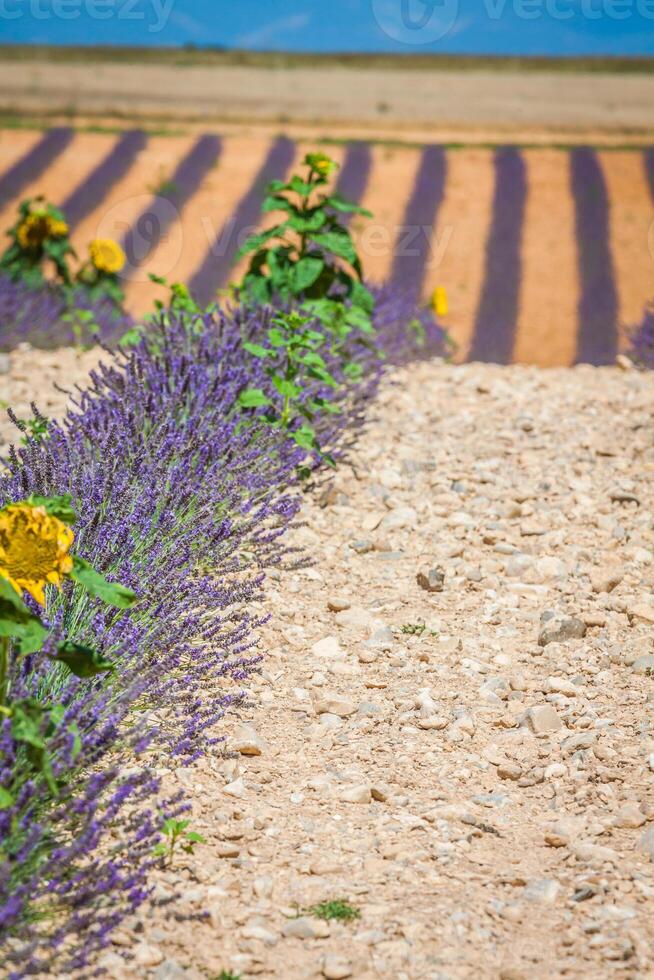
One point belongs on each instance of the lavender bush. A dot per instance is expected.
(49, 317)
(180, 501)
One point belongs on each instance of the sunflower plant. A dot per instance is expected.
(36, 538)
(100, 274)
(292, 361)
(309, 255)
(40, 235)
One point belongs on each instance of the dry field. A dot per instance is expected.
(547, 253)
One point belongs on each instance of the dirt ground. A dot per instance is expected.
(471, 767)
(413, 104)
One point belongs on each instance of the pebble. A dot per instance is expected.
(629, 816)
(338, 604)
(146, 955)
(641, 612)
(431, 580)
(246, 741)
(328, 648)
(305, 928)
(335, 967)
(644, 664)
(361, 793)
(335, 704)
(235, 789)
(170, 970)
(544, 890)
(556, 628)
(646, 843)
(543, 719)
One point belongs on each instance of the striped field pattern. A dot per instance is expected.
(547, 254)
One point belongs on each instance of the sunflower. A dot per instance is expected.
(107, 255)
(439, 302)
(34, 549)
(321, 163)
(33, 231)
(37, 227)
(57, 228)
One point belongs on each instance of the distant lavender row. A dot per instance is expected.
(34, 163)
(354, 175)
(92, 191)
(180, 501)
(44, 317)
(165, 206)
(497, 312)
(413, 245)
(597, 336)
(648, 162)
(215, 269)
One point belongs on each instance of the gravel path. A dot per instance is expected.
(453, 727)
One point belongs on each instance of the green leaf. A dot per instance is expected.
(96, 584)
(360, 296)
(305, 437)
(254, 242)
(277, 337)
(6, 799)
(338, 244)
(305, 224)
(9, 597)
(286, 388)
(256, 350)
(82, 661)
(26, 718)
(346, 207)
(305, 273)
(59, 507)
(195, 838)
(301, 187)
(276, 202)
(253, 398)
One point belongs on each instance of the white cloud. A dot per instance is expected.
(275, 30)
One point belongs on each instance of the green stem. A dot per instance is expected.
(4, 670)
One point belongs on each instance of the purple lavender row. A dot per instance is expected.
(354, 174)
(642, 336)
(413, 245)
(165, 207)
(597, 334)
(44, 318)
(497, 312)
(34, 163)
(173, 494)
(92, 191)
(215, 269)
(648, 163)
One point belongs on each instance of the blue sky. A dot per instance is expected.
(550, 27)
